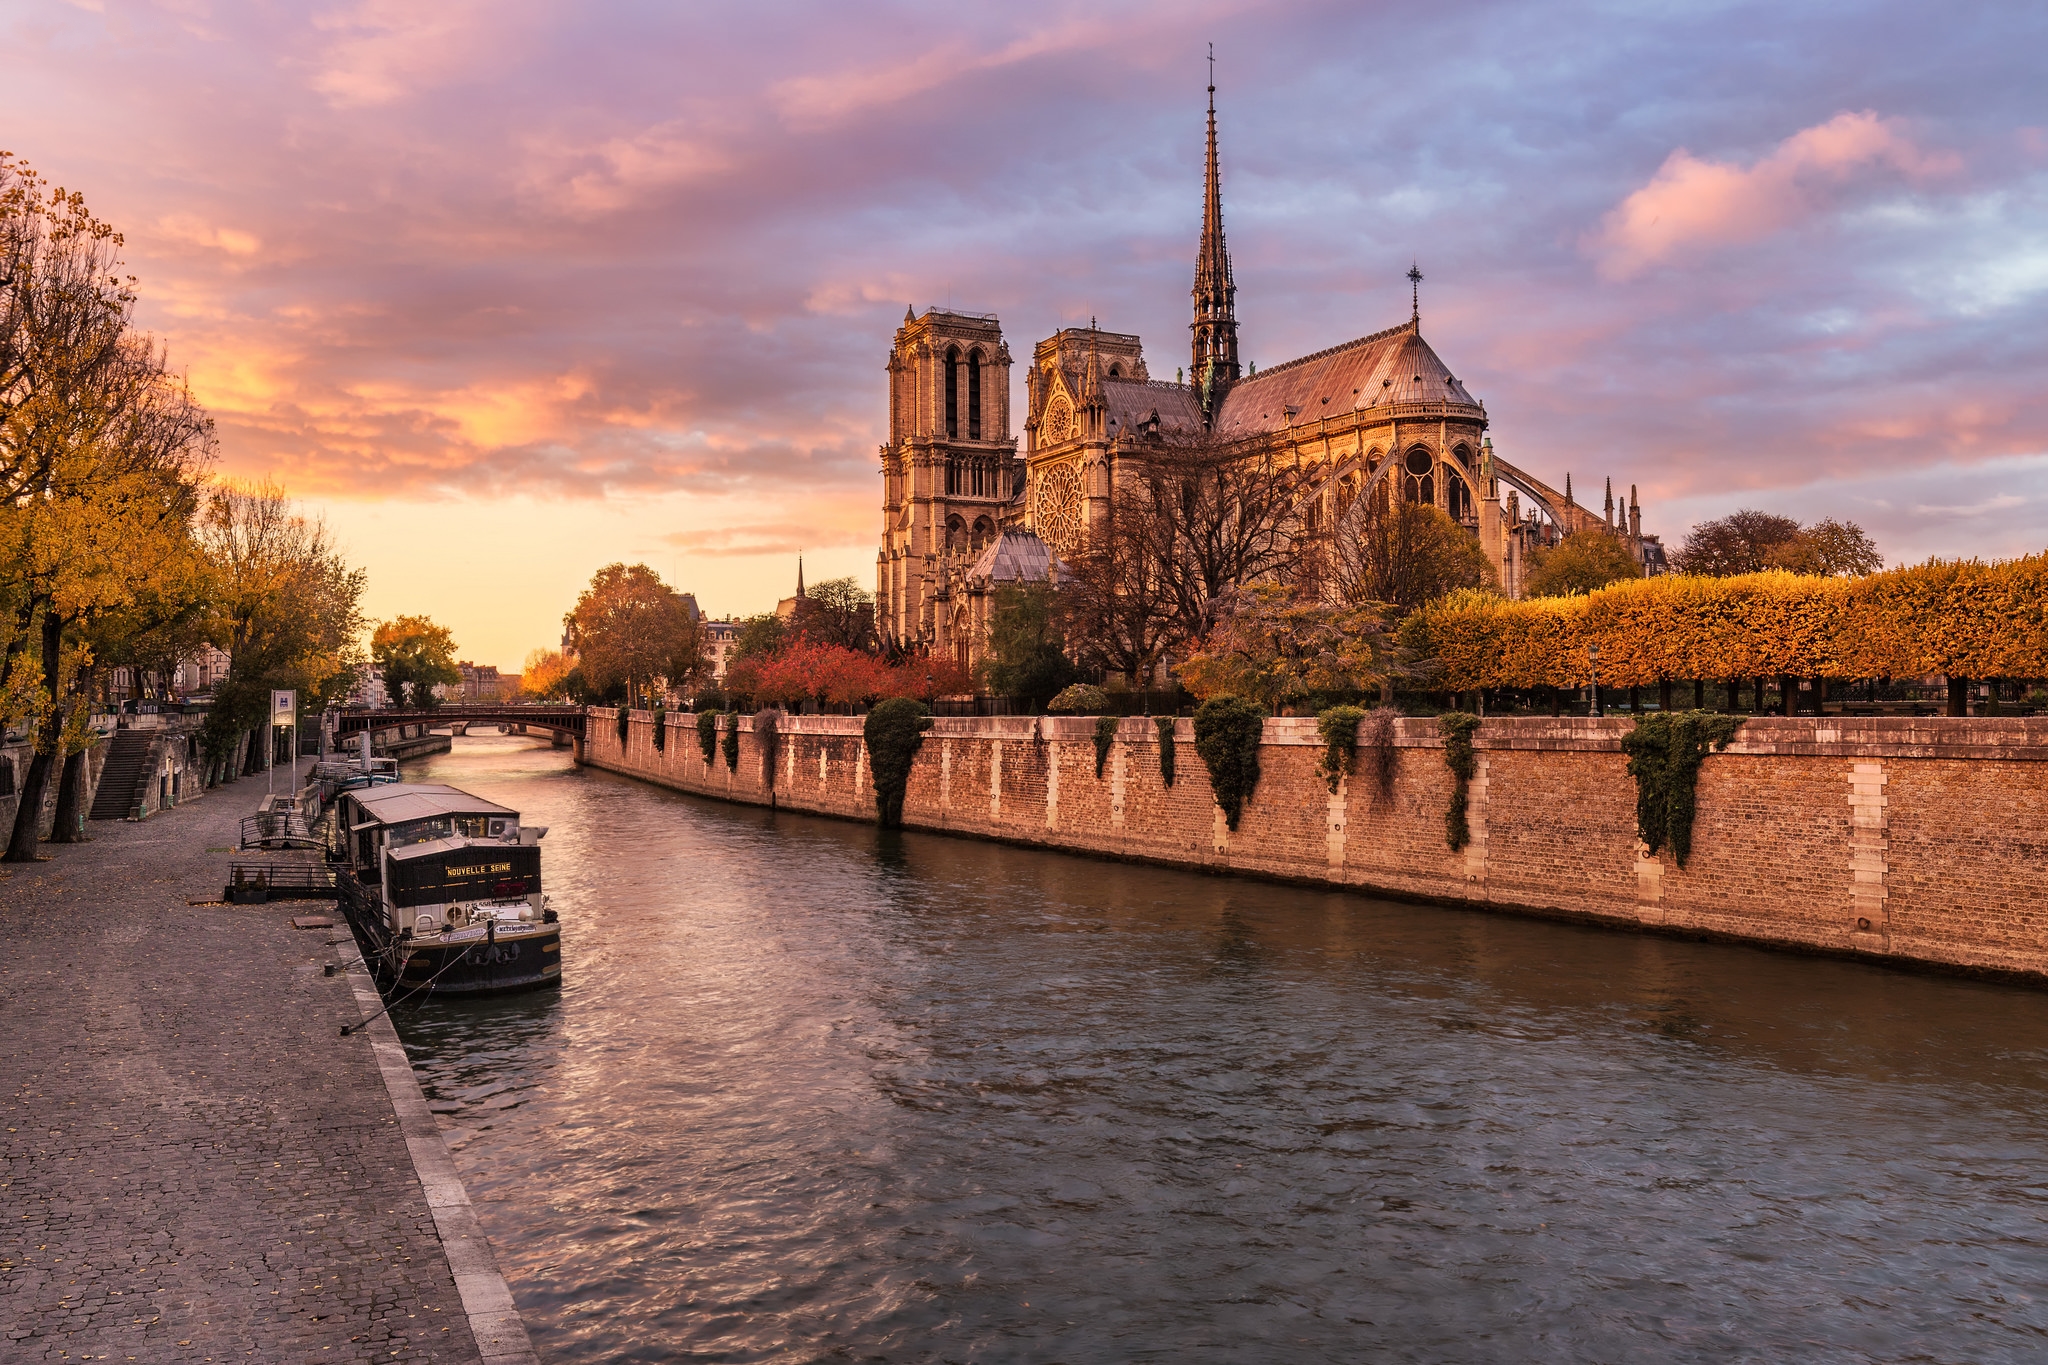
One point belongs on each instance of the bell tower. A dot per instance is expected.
(950, 473)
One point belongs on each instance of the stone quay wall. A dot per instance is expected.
(1921, 840)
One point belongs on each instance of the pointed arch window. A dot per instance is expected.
(953, 392)
(974, 396)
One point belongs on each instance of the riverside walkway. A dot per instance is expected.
(195, 1165)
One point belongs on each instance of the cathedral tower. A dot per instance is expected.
(950, 469)
(1215, 325)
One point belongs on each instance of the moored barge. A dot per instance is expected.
(443, 890)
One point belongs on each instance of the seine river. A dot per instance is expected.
(816, 1093)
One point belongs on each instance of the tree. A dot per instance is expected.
(287, 611)
(1406, 554)
(416, 656)
(546, 675)
(1750, 542)
(759, 637)
(1116, 596)
(1024, 655)
(632, 629)
(840, 612)
(1581, 562)
(1276, 648)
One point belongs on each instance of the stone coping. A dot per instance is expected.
(2011, 738)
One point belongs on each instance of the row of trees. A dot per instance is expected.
(117, 551)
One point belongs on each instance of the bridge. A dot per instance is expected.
(391, 728)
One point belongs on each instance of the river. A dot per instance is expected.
(815, 1092)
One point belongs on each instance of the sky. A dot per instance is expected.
(508, 291)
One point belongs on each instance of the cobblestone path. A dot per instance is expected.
(196, 1166)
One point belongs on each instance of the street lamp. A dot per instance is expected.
(1593, 656)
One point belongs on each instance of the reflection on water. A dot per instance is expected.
(812, 1091)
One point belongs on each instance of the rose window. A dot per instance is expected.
(1059, 508)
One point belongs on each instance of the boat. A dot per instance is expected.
(443, 890)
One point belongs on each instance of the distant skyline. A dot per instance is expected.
(509, 291)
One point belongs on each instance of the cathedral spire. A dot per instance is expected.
(1215, 324)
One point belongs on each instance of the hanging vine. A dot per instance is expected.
(1459, 757)
(1105, 737)
(1165, 726)
(623, 720)
(1665, 751)
(768, 734)
(1339, 728)
(1227, 731)
(894, 732)
(1378, 739)
(732, 742)
(707, 733)
(660, 730)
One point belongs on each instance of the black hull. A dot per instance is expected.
(480, 966)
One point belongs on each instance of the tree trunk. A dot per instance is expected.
(1557, 701)
(70, 825)
(1635, 700)
(28, 816)
(1958, 697)
(1699, 694)
(1663, 694)
(252, 756)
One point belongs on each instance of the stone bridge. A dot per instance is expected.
(393, 729)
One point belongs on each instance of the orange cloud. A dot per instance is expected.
(1694, 203)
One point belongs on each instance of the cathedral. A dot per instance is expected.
(963, 511)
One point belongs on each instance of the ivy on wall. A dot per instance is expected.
(1165, 726)
(1378, 739)
(660, 730)
(1665, 751)
(768, 734)
(1460, 758)
(1338, 727)
(1105, 736)
(707, 733)
(623, 717)
(732, 742)
(1227, 731)
(894, 732)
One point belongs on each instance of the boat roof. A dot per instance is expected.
(395, 803)
(433, 847)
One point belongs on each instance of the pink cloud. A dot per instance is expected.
(1693, 203)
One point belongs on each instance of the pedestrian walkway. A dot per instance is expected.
(196, 1165)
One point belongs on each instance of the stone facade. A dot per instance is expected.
(1902, 839)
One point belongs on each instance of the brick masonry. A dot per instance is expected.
(1917, 839)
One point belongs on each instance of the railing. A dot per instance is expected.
(277, 829)
(255, 883)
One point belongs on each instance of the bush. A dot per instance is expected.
(1459, 757)
(1227, 731)
(1166, 726)
(1338, 727)
(768, 734)
(660, 730)
(1665, 751)
(1105, 736)
(732, 742)
(894, 732)
(1080, 699)
(707, 733)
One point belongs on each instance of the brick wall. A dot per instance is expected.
(1921, 839)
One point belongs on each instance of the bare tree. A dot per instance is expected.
(1402, 553)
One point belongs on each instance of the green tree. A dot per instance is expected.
(759, 637)
(1581, 562)
(838, 611)
(1024, 654)
(416, 656)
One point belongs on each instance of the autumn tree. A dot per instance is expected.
(415, 656)
(1751, 542)
(1274, 647)
(1581, 562)
(546, 675)
(630, 629)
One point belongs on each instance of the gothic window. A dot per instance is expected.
(956, 533)
(1116, 372)
(1420, 483)
(974, 399)
(952, 477)
(978, 488)
(1059, 420)
(1058, 514)
(953, 392)
(984, 532)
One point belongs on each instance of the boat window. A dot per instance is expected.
(471, 826)
(419, 831)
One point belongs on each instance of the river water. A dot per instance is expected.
(813, 1092)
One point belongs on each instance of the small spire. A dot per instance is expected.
(1415, 294)
(910, 312)
(1567, 488)
(1610, 502)
(799, 574)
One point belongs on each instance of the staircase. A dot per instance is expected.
(127, 767)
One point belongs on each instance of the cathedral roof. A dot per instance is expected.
(1386, 368)
(1134, 402)
(1015, 556)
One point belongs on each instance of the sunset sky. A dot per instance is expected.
(508, 291)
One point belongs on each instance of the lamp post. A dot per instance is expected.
(1593, 658)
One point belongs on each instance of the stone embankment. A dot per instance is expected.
(195, 1164)
(1907, 840)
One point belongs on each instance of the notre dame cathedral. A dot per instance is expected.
(963, 512)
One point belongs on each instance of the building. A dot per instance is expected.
(480, 683)
(720, 639)
(1381, 416)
